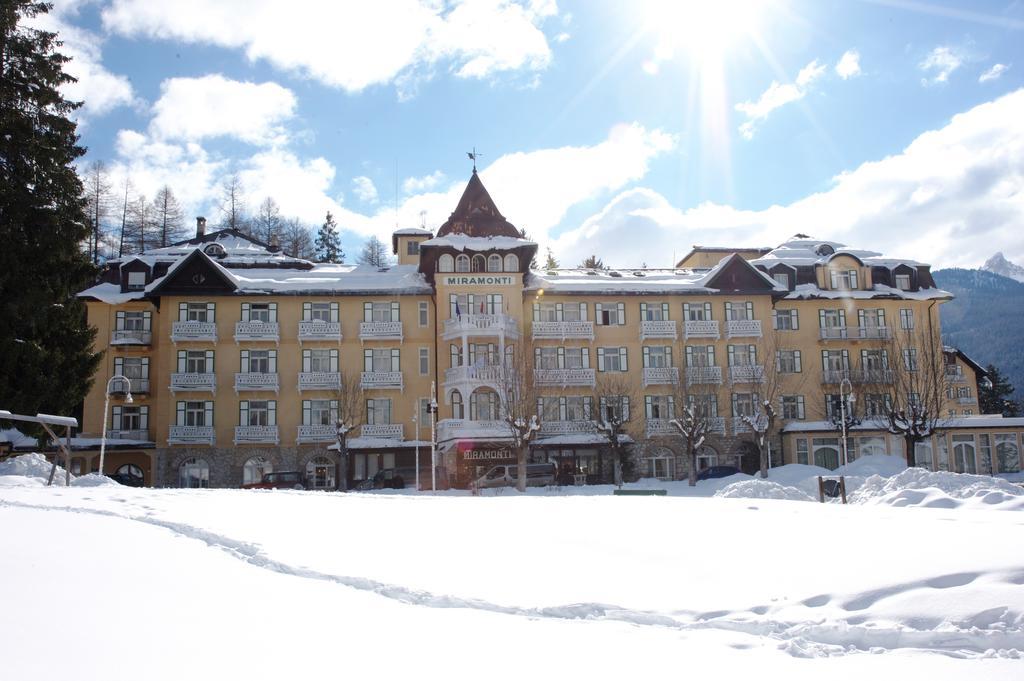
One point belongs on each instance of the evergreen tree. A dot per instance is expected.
(593, 263)
(46, 358)
(374, 253)
(533, 259)
(550, 263)
(994, 396)
(328, 243)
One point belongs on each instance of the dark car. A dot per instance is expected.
(400, 478)
(279, 480)
(717, 472)
(126, 479)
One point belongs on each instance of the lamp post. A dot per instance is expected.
(416, 431)
(846, 423)
(433, 437)
(106, 410)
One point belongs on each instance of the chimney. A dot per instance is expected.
(275, 243)
(200, 227)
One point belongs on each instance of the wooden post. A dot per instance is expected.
(842, 487)
(821, 490)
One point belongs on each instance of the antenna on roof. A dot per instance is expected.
(396, 192)
(473, 155)
(423, 219)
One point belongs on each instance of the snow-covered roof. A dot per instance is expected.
(381, 443)
(330, 279)
(17, 438)
(111, 294)
(812, 251)
(810, 291)
(462, 242)
(595, 439)
(412, 231)
(978, 421)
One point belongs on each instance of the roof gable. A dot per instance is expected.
(477, 215)
(195, 274)
(735, 274)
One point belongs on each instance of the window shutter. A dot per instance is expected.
(273, 312)
(778, 360)
(750, 309)
(147, 321)
(272, 413)
(824, 360)
(664, 310)
(598, 315)
(561, 357)
(208, 412)
(853, 279)
(624, 403)
(559, 312)
(118, 365)
(563, 411)
(367, 360)
(622, 360)
(622, 313)
(794, 316)
(752, 353)
(395, 364)
(885, 359)
(668, 355)
(600, 359)
(602, 405)
(643, 312)
(307, 413)
(686, 311)
(307, 311)
(586, 358)
(647, 357)
(145, 367)
(334, 312)
(182, 312)
(536, 357)
(243, 413)
(881, 316)
(796, 361)
(821, 319)
(671, 407)
(728, 310)
(334, 410)
(453, 355)
(395, 311)
(367, 312)
(583, 312)
(648, 407)
(842, 317)
(307, 357)
(120, 320)
(181, 361)
(245, 312)
(245, 362)
(116, 418)
(211, 309)
(181, 413)
(864, 359)
(334, 360)
(209, 362)
(775, 319)
(732, 354)
(272, 364)
(860, 317)
(800, 406)
(846, 359)
(707, 311)
(536, 312)
(689, 356)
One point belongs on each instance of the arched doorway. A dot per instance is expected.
(660, 463)
(707, 456)
(320, 473)
(194, 473)
(254, 469)
(130, 474)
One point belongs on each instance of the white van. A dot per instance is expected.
(506, 475)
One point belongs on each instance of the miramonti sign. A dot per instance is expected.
(478, 280)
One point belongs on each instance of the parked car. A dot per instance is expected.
(717, 472)
(506, 475)
(400, 478)
(126, 479)
(279, 480)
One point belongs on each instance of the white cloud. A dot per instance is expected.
(215, 106)
(993, 73)
(848, 65)
(354, 45)
(952, 197)
(939, 64)
(778, 95)
(413, 185)
(364, 189)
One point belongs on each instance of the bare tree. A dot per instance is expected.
(374, 253)
(296, 239)
(168, 217)
(780, 365)
(613, 394)
(695, 417)
(141, 224)
(124, 216)
(98, 199)
(349, 397)
(518, 398)
(267, 221)
(232, 204)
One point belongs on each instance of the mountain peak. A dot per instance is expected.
(1000, 265)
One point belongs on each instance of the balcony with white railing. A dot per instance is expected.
(257, 435)
(746, 373)
(319, 380)
(835, 375)
(453, 429)
(562, 330)
(319, 432)
(375, 331)
(381, 380)
(716, 424)
(703, 375)
(481, 325)
(967, 400)
(193, 331)
(660, 376)
(740, 426)
(383, 431)
(190, 435)
(841, 333)
(565, 377)
(662, 328)
(700, 328)
(137, 386)
(124, 337)
(955, 374)
(257, 331)
(472, 377)
(137, 435)
(659, 428)
(740, 328)
(552, 428)
(255, 381)
(871, 375)
(319, 330)
(186, 382)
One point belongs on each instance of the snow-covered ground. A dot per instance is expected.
(921, 576)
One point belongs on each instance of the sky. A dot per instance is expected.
(630, 130)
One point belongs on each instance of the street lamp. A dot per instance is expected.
(433, 437)
(845, 422)
(416, 430)
(106, 410)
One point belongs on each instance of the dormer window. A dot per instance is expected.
(446, 263)
(412, 248)
(781, 278)
(462, 263)
(845, 280)
(136, 281)
(478, 263)
(494, 263)
(903, 282)
(215, 251)
(824, 249)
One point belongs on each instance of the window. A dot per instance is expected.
(801, 450)
(704, 406)
(614, 408)
(378, 411)
(424, 361)
(259, 361)
(610, 314)
(659, 406)
(845, 280)
(381, 360)
(611, 359)
(386, 311)
(511, 262)
(788, 361)
(577, 358)
(254, 469)
(546, 358)
(697, 312)
(657, 357)
(737, 312)
(832, 323)
(483, 405)
(321, 312)
(906, 318)
(826, 452)
(196, 312)
(257, 413)
(793, 407)
(133, 321)
(457, 409)
(876, 404)
(903, 282)
(743, 404)
(320, 473)
(462, 263)
(445, 263)
(700, 355)
(1007, 454)
(653, 312)
(964, 460)
(136, 281)
(786, 320)
(873, 318)
(557, 312)
(412, 247)
(320, 361)
(195, 413)
(875, 363)
(577, 408)
(985, 454)
(494, 263)
(835, 360)
(479, 264)
(742, 355)
(259, 312)
(424, 319)
(128, 418)
(871, 446)
(195, 361)
(782, 278)
(194, 474)
(135, 369)
(910, 359)
(923, 454)
(319, 412)
(483, 354)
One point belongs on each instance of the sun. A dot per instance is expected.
(701, 30)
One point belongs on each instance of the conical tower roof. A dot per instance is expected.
(477, 215)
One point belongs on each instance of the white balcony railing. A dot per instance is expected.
(131, 337)
(490, 374)
(190, 435)
(954, 374)
(562, 330)
(659, 428)
(380, 331)
(702, 375)
(319, 330)
(316, 433)
(716, 424)
(481, 325)
(663, 328)
(828, 333)
(319, 380)
(140, 435)
(257, 434)
(193, 382)
(383, 431)
(138, 386)
(660, 376)
(567, 427)
(746, 373)
(871, 375)
(740, 426)
(254, 381)
(700, 328)
(565, 377)
(737, 328)
(967, 400)
(257, 331)
(381, 380)
(193, 331)
(450, 429)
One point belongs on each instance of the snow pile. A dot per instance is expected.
(94, 480)
(866, 466)
(918, 487)
(30, 466)
(762, 489)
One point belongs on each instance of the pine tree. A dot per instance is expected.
(328, 243)
(593, 263)
(374, 253)
(994, 395)
(46, 358)
(533, 259)
(168, 217)
(550, 263)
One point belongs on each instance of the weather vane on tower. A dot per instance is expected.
(472, 155)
